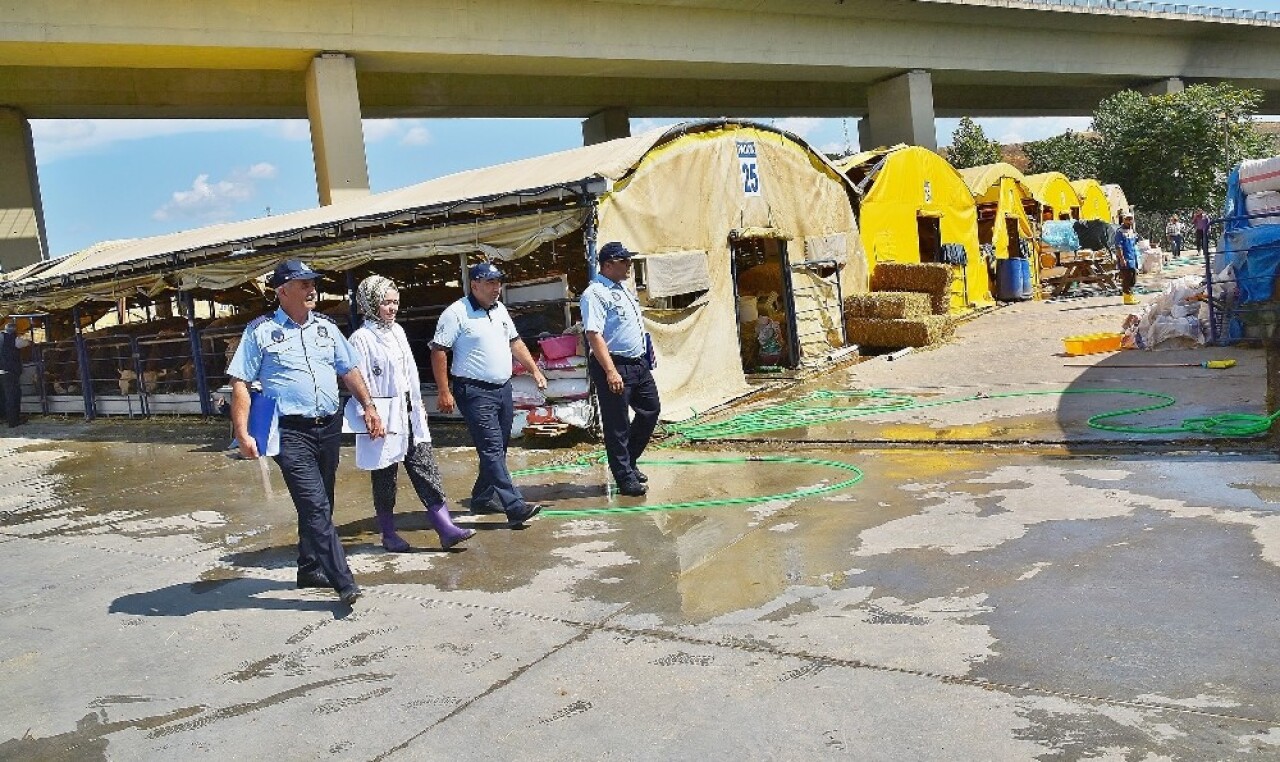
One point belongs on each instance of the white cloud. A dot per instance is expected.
(62, 138)
(263, 171)
(293, 129)
(800, 125)
(210, 202)
(417, 135)
(376, 130)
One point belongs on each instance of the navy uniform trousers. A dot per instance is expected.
(625, 441)
(11, 394)
(489, 410)
(308, 460)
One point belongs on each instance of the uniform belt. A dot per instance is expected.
(306, 421)
(627, 360)
(477, 382)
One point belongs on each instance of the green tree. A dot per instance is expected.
(1071, 153)
(970, 146)
(1170, 152)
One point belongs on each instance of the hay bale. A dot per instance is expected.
(895, 334)
(921, 277)
(888, 305)
(760, 280)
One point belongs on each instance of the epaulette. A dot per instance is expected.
(253, 324)
(326, 317)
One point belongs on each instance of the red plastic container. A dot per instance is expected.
(558, 347)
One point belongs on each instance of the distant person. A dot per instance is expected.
(11, 345)
(484, 341)
(1175, 229)
(390, 371)
(1126, 243)
(1200, 221)
(619, 365)
(297, 354)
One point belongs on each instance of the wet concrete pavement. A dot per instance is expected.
(1057, 593)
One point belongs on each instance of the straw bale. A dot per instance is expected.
(889, 305)
(895, 334)
(760, 280)
(922, 277)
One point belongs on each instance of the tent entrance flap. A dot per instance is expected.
(929, 233)
(765, 304)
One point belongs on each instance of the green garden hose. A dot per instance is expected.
(849, 405)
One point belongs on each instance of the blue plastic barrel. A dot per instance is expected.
(1026, 285)
(1008, 289)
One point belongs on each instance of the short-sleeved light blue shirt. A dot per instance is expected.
(613, 312)
(298, 365)
(1127, 242)
(480, 340)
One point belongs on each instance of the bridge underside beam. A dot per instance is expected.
(61, 93)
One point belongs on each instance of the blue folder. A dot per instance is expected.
(262, 421)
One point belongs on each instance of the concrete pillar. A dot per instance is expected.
(22, 234)
(900, 110)
(337, 140)
(1170, 86)
(609, 124)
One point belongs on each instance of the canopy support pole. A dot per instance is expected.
(82, 358)
(197, 354)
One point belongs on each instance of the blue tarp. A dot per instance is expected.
(1059, 235)
(1252, 250)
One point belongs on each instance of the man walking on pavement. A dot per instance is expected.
(11, 372)
(297, 355)
(620, 367)
(484, 340)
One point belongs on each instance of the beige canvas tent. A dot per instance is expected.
(1116, 200)
(718, 209)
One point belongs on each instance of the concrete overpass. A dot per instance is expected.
(899, 63)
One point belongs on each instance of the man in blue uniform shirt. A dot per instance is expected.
(619, 368)
(479, 330)
(1126, 243)
(298, 355)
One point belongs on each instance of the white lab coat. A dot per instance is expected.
(389, 370)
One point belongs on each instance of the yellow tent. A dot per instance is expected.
(1057, 199)
(1116, 200)
(1093, 200)
(1001, 195)
(914, 206)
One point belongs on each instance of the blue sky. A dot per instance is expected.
(109, 179)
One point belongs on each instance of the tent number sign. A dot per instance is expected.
(748, 167)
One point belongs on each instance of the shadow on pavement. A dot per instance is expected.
(220, 595)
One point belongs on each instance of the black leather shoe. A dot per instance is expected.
(633, 489)
(478, 509)
(314, 579)
(517, 518)
(350, 595)
(642, 477)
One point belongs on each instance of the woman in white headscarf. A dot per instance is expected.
(390, 371)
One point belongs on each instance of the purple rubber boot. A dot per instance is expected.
(450, 533)
(391, 541)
